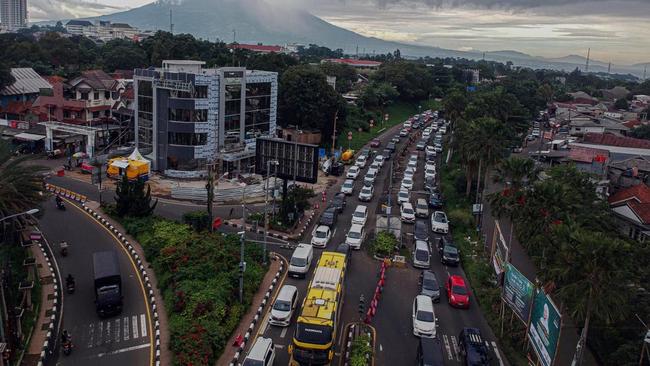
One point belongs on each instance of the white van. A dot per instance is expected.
(421, 254)
(355, 236)
(360, 215)
(261, 354)
(284, 305)
(301, 260)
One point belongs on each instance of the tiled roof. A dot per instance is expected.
(642, 210)
(83, 23)
(614, 140)
(27, 82)
(639, 194)
(97, 79)
(353, 62)
(586, 154)
(257, 47)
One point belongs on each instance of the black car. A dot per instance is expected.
(430, 184)
(387, 154)
(391, 146)
(329, 217)
(429, 285)
(339, 202)
(435, 200)
(421, 230)
(449, 253)
(473, 348)
(430, 352)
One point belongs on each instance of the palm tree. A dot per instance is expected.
(590, 269)
(21, 186)
(488, 140)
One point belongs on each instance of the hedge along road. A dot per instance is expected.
(122, 339)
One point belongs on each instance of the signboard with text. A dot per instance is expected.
(295, 160)
(544, 330)
(499, 249)
(517, 292)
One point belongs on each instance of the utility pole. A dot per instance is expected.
(587, 65)
(242, 240)
(209, 186)
(266, 205)
(171, 23)
(336, 117)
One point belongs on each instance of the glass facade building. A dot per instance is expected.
(188, 116)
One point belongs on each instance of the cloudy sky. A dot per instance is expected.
(616, 30)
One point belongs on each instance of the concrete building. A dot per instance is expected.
(13, 14)
(357, 64)
(103, 30)
(187, 116)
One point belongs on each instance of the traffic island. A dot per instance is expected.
(359, 345)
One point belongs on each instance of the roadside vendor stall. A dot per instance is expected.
(135, 166)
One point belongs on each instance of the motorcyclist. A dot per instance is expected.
(58, 200)
(69, 280)
(65, 337)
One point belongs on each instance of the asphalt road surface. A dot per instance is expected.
(124, 339)
(395, 342)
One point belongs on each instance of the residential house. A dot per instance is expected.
(357, 64)
(631, 207)
(619, 147)
(583, 125)
(615, 93)
(56, 106)
(26, 87)
(629, 172)
(257, 48)
(98, 90)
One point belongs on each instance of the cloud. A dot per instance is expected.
(66, 9)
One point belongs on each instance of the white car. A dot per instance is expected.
(407, 183)
(365, 195)
(413, 164)
(407, 213)
(439, 222)
(375, 166)
(370, 177)
(355, 236)
(360, 215)
(347, 187)
(430, 165)
(414, 157)
(407, 124)
(409, 172)
(361, 161)
(284, 305)
(429, 173)
(443, 129)
(424, 317)
(379, 159)
(321, 236)
(426, 134)
(438, 148)
(353, 172)
(430, 150)
(403, 196)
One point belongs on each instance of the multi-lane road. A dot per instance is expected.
(395, 342)
(124, 339)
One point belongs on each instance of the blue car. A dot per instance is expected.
(435, 200)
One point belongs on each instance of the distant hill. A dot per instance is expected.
(258, 21)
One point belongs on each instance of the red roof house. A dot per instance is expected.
(632, 207)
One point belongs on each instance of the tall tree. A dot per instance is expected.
(345, 75)
(6, 78)
(454, 104)
(131, 198)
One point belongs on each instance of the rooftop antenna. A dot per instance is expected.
(483, 56)
(645, 68)
(234, 36)
(587, 65)
(609, 67)
(171, 24)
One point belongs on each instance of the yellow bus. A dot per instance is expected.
(317, 326)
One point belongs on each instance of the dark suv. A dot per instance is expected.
(329, 216)
(472, 348)
(449, 254)
(339, 202)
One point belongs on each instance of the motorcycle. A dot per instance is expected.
(67, 347)
(60, 205)
(63, 248)
(70, 286)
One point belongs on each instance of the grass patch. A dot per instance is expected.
(476, 262)
(397, 113)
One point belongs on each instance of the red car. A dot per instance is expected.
(457, 292)
(375, 143)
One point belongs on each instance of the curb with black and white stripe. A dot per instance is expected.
(260, 310)
(143, 273)
(49, 345)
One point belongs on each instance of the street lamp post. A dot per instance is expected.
(28, 212)
(242, 240)
(266, 204)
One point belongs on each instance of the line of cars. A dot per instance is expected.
(424, 321)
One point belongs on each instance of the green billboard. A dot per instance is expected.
(544, 329)
(517, 292)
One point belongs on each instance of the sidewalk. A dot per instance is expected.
(41, 327)
(245, 323)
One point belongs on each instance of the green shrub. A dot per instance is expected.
(459, 217)
(384, 244)
(198, 220)
(359, 350)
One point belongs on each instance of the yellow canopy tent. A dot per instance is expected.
(135, 166)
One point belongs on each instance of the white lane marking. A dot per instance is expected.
(100, 333)
(108, 338)
(447, 347)
(280, 346)
(91, 335)
(143, 325)
(122, 350)
(125, 328)
(496, 352)
(284, 332)
(134, 324)
(454, 342)
(118, 322)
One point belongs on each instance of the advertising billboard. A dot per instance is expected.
(544, 330)
(517, 292)
(499, 249)
(295, 161)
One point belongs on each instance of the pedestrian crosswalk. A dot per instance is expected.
(116, 330)
(452, 350)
